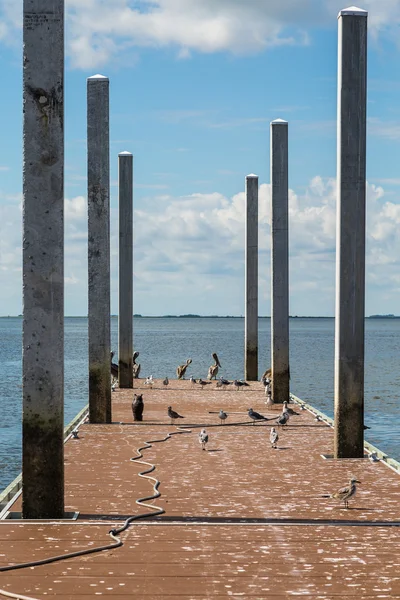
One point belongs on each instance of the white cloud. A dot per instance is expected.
(100, 31)
(189, 252)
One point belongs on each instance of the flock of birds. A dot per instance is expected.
(343, 494)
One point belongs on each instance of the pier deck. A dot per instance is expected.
(241, 520)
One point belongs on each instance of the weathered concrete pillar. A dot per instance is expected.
(280, 261)
(251, 296)
(125, 319)
(43, 261)
(350, 252)
(99, 248)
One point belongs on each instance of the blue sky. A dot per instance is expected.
(193, 88)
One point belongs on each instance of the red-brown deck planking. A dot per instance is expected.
(216, 538)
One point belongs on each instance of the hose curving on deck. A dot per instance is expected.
(155, 511)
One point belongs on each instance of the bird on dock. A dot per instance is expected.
(238, 383)
(282, 419)
(213, 370)
(192, 380)
(202, 383)
(181, 370)
(149, 381)
(373, 457)
(114, 366)
(255, 416)
(345, 493)
(137, 407)
(203, 438)
(222, 416)
(269, 401)
(166, 381)
(135, 366)
(173, 415)
(219, 384)
(289, 410)
(114, 383)
(273, 437)
(75, 433)
(267, 374)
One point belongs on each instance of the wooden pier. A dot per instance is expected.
(241, 519)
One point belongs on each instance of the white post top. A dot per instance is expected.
(279, 122)
(125, 153)
(251, 176)
(354, 11)
(98, 77)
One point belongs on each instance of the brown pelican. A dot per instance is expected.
(114, 366)
(135, 366)
(213, 370)
(181, 370)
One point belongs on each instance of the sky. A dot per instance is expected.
(193, 88)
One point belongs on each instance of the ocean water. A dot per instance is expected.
(164, 343)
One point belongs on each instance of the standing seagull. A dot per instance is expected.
(256, 416)
(203, 383)
(181, 370)
(345, 493)
(149, 381)
(192, 380)
(166, 381)
(173, 415)
(222, 415)
(238, 384)
(282, 419)
(287, 409)
(273, 437)
(213, 370)
(203, 438)
(135, 366)
(114, 366)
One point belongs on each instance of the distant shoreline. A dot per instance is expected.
(190, 316)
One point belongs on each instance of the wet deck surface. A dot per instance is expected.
(241, 520)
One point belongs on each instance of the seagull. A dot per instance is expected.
(222, 415)
(203, 383)
(213, 370)
(256, 416)
(192, 380)
(203, 438)
(373, 457)
(166, 381)
(269, 401)
(173, 415)
(149, 381)
(219, 384)
(345, 493)
(181, 370)
(238, 384)
(114, 384)
(75, 434)
(273, 437)
(267, 389)
(282, 419)
(289, 410)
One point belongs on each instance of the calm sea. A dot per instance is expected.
(164, 343)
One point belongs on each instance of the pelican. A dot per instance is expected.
(213, 370)
(181, 370)
(114, 366)
(135, 366)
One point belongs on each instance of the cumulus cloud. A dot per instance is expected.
(99, 31)
(189, 252)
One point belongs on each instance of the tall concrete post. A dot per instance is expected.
(43, 261)
(251, 296)
(280, 261)
(99, 248)
(350, 244)
(125, 319)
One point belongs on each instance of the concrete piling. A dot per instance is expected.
(350, 253)
(98, 147)
(125, 319)
(43, 261)
(251, 277)
(280, 261)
